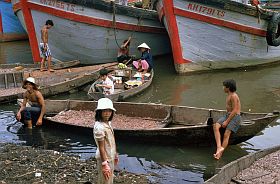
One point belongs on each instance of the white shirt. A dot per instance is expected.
(104, 131)
(108, 82)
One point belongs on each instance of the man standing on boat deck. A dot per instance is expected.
(230, 121)
(44, 47)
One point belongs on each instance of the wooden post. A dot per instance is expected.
(22, 76)
(14, 79)
(6, 80)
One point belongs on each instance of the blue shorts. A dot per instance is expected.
(234, 124)
(31, 113)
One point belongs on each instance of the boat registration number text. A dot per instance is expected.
(59, 4)
(205, 10)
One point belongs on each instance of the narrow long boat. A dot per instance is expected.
(121, 91)
(10, 27)
(60, 81)
(228, 172)
(90, 30)
(167, 124)
(219, 34)
(36, 66)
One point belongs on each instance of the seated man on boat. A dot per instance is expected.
(146, 57)
(230, 121)
(123, 53)
(106, 84)
(32, 115)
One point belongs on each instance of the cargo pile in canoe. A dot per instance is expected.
(73, 117)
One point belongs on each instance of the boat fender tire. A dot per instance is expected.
(273, 30)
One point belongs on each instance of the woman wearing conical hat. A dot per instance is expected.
(145, 63)
(32, 115)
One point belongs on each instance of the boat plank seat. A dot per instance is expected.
(153, 111)
(189, 116)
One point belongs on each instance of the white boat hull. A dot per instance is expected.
(205, 37)
(87, 34)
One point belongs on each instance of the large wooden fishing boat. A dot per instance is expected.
(167, 124)
(91, 30)
(219, 34)
(10, 27)
(125, 89)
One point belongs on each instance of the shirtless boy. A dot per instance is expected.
(32, 115)
(44, 47)
(230, 121)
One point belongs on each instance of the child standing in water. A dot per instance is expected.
(230, 121)
(106, 154)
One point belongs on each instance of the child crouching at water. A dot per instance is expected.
(106, 154)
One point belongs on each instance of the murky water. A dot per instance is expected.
(259, 91)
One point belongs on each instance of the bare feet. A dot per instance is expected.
(219, 153)
(51, 70)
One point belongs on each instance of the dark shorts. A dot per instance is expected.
(31, 113)
(123, 58)
(234, 124)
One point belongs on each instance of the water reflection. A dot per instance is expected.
(15, 52)
(198, 160)
(149, 162)
(33, 137)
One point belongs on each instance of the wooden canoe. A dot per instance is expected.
(121, 93)
(60, 81)
(227, 173)
(177, 125)
(57, 65)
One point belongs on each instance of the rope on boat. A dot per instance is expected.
(114, 24)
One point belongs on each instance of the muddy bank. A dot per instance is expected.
(25, 165)
(264, 170)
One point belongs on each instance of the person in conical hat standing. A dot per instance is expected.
(32, 115)
(106, 153)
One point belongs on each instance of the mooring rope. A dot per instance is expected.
(114, 24)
